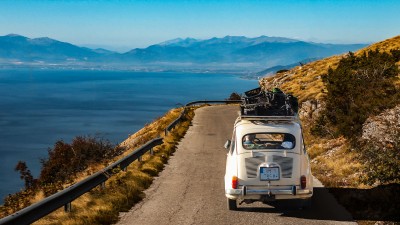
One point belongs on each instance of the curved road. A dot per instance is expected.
(190, 190)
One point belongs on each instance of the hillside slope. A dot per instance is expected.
(361, 170)
(333, 159)
(305, 81)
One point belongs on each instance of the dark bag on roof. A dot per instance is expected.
(268, 103)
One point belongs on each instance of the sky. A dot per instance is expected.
(122, 25)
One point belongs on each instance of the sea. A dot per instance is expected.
(40, 107)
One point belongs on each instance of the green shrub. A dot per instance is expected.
(358, 88)
(382, 163)
(361, 87)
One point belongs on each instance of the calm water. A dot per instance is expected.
(38, 108)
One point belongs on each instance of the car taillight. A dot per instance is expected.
(303, 182)
(234, 182)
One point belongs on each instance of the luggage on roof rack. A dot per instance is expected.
(269, 118)
(253, 92)
(257, 102)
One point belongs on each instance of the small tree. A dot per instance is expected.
(25, 174)
(234, 96)
(66, 160)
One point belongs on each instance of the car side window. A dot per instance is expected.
(304, 144)
(233, 142)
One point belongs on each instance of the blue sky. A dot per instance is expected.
(126, 24)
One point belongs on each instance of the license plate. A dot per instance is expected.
(269, 173)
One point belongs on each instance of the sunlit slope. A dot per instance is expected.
(305, 81)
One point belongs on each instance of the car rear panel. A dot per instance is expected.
(249, 164)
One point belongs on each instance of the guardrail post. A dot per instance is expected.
(151, 151)
(103, 185)
(68, 207)
(140, 159)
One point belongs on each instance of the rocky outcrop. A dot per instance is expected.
(384, 128)
(311, 109)
(268, 83)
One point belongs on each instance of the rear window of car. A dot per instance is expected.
(268, 141)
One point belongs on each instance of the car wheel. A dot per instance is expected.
(231, 204)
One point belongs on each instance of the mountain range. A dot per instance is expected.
(230, 53)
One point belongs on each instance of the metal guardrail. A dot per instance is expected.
(36, 211)
(64, 198)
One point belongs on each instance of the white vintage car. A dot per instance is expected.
(267, 161)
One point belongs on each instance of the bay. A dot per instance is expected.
(39, 107)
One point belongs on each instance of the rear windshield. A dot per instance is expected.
(268, 141)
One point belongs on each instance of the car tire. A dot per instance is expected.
(231, 204)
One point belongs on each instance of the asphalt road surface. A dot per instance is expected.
(190, 190)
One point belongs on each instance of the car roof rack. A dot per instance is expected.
(269, 118)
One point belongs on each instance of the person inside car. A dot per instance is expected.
(248, 141)
(288, 141)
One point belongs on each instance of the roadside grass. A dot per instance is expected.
(333, 169)
(103, 204)
(25, 198)
(333, 161)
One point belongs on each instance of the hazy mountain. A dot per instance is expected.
(262, 52)
(20, 48)
(230, 53)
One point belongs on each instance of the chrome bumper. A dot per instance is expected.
(276, 191)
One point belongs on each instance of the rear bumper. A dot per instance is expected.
(294, 191)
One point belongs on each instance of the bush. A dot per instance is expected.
(358, 88)
(382, 163)
(66, 160)
(88, 151)
(282, 71)
(380, 147)
(234, 96)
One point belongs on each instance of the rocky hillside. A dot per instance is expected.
(305, 81)
(357, 92)
(336, 160)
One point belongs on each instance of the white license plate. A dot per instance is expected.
(269, 173)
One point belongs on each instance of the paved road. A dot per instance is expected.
(191, 188)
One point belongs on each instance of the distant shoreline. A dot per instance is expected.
(112, 69)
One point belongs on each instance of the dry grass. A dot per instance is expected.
(305, 81)
(333, 162)
(384, 46)
(125, 188)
